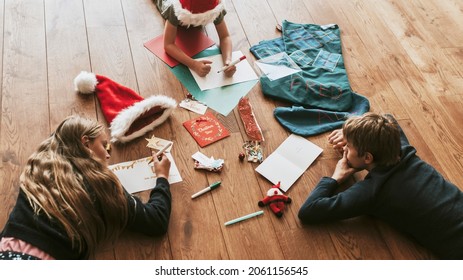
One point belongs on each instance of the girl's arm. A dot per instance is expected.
(151, 218)
(202, 67)
(225, 47)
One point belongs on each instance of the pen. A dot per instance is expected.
(244, 217)
(161, 151)
(232, 63)
(211, 187)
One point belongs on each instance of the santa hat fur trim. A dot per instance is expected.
(129, 115)
(187, 18)
(137, 120)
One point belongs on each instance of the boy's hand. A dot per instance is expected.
(343, 171)
(336, 138)
(202, 67)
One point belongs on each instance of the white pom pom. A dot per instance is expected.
(85, 82)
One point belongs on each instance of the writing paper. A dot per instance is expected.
(244, 72)
(137, 175)
(222, 99)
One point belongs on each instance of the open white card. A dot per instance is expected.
(244, 72)
(137, 176)
(289, 161)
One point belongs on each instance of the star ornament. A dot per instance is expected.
(157, 143)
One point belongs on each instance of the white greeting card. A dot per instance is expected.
(289, 161)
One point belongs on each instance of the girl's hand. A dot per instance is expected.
(202, 67)
(161, 166)
(230, 71)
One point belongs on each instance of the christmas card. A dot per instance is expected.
(289, 161)
(206, 129)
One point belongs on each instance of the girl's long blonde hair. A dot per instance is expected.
(66, 182)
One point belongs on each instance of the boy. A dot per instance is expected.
(195, 13)
(400, 188)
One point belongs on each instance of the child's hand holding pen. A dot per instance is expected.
(230, 70)
(161, 165)
(161, 151)
(161, 162)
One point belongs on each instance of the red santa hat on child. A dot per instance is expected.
(129, 115)
(197, 12)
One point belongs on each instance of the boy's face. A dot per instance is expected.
(353, 159)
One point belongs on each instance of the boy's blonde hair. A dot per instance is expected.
(376, 134)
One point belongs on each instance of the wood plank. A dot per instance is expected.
(24, 92)
(402, 247)
(66, 41)
(443, 19)
(421, 46)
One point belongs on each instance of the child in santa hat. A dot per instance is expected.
(193, 13)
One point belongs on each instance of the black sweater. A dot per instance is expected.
(411, 196)
(48, 235)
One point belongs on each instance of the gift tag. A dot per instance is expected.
(194, 106)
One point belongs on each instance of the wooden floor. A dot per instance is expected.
(406, 57)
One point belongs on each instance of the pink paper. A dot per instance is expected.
(191, 41)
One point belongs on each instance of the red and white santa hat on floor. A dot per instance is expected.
(196, 12)
(129, 115)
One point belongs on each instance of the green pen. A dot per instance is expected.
(211, 187)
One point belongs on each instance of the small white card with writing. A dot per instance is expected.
(194, 106)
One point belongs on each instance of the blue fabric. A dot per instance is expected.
(306, 122)
(320, 94)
